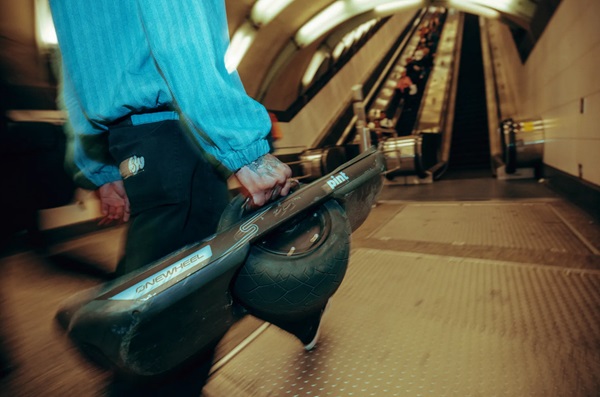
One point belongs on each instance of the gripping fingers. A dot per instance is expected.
(289, 183)
(259, 199)
(265, 179)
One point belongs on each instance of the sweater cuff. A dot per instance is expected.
(237, 159)
(97, 178)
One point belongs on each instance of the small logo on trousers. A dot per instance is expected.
(131, 166)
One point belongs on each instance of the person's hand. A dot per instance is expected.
(114, 203)
(265, 179)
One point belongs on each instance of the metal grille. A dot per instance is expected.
(527, 225)
(424, 325)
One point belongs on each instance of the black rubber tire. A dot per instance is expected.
(277, 285)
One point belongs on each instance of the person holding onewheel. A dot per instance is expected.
(158, 122)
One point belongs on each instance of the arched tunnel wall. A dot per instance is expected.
(559, 83)
(324, 109)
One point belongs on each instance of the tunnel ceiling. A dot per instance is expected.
(271, 37)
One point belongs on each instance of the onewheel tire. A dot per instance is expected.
(295, 269)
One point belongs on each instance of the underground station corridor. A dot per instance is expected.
(477, 269)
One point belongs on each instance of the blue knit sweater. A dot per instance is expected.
(132, 56)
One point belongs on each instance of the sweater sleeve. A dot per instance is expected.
(87, 152)
(188, 40)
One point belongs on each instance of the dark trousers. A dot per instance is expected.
(176, 199)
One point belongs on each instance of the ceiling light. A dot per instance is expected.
(338, 50)
(468, 6)
(504, 5)
(341, 11)
(394, 6)
(313, 67)
(264, 11)
(240, 42)
(330, 17)
(372, 3)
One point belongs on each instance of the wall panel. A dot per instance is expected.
(562, 69)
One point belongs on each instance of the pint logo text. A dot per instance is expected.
(337, 180)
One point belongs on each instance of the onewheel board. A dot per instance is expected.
(155, 319)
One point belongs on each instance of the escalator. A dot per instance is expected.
(470, 148)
